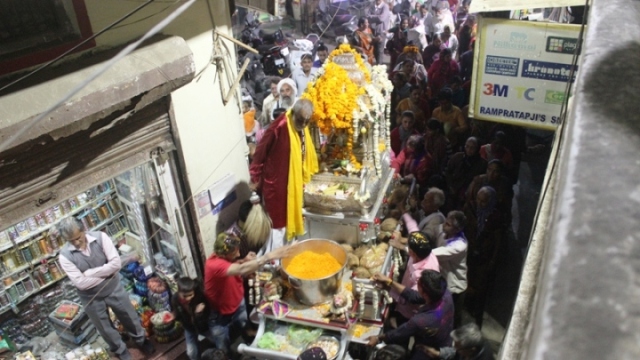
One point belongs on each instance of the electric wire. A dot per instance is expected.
(106, 66)
(83, 42)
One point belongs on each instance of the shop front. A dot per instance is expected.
(112, 164)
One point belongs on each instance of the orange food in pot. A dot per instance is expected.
(310, 265)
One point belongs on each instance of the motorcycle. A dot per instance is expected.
(336, 20)
(272, 48)
(253, 79)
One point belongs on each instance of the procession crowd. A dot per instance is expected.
(455, 226)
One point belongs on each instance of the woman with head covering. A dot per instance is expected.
(415, 72)
(485, 234)
(364, 39)
(413, 161)
(437, 145)
(431, 53)
(442, 71)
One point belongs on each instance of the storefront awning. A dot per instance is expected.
(500, 5)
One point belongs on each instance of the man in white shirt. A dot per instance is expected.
(269, 102)
(303, 75)
(452, 258)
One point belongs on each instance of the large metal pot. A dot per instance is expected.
(317, 291)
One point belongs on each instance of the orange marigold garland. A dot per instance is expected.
(333, 96)
(347, 49)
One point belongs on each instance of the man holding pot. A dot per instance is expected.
(223, 285)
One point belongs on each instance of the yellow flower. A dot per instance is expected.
(334, 96)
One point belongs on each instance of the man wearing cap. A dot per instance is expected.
(284, 161)
(223, 285)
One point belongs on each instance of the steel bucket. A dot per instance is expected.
(317, 291)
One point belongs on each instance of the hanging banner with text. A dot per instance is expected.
(521, 70)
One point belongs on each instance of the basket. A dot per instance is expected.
(68, 324)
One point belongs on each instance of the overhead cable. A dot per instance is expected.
(106, 66)
(59, 57)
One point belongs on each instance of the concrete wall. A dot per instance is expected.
(211, 135)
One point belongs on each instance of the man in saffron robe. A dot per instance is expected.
(284, 160)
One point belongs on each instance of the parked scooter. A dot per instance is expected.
(272, 48)
(335, 20)
(253, 79)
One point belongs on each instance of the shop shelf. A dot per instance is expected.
(102, 224)
(89, 204)
(122, 232)
(29, 265)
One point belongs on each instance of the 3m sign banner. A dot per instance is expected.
(521, 70)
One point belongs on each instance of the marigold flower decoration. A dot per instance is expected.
(334, 96)
(347, 49)
(410, 49)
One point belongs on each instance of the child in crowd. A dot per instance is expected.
(251, 126)
(191, 309)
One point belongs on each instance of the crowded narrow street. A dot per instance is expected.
(292, 179)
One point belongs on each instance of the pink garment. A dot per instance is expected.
(410, 223)
(95, 276)
(410, 280)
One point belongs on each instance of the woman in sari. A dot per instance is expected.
(363, 39)
(442, 72)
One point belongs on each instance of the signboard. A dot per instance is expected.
(498, 5)
(521, 70)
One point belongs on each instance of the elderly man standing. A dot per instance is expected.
(284, 161)
(431, 219)
(288, 94)
(92, 263)
(379, 16)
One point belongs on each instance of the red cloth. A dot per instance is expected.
(440, 74)
(270, 170)
(224, 293)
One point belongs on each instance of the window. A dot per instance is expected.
(35, 31)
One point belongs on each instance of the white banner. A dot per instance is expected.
(521, 70)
